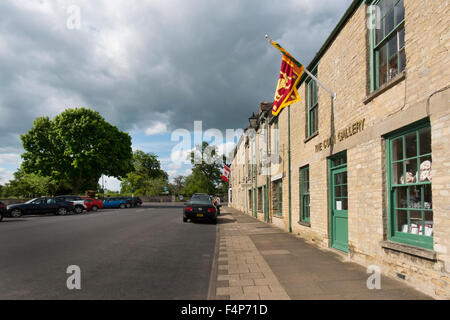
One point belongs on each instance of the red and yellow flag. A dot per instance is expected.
(290, 73)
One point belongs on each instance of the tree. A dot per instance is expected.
(178, 184)
(197, 182)
(29, 185)
(147, 178)
(77, 146)
(147, 164)
(206, 166)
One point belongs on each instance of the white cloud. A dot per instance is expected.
(157, 128)
(6, 175)
(174, 165)
(10, 158)
(110, 183)
(180, 155)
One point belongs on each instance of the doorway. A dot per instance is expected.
(338, 201)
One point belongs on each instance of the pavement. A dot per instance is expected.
(137, 253)
(257, 261)
(150, 253)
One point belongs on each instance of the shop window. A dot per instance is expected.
(277, 197)
(260, 199)
(409, 181)
(312, 106)
(304, 195)
(388, 41)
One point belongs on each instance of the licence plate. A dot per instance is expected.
(199, 214)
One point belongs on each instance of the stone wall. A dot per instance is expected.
(421, 91)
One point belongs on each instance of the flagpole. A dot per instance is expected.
(333, 95)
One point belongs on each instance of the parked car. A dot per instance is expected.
(40, 205)
(2, 210)
(200, 207)
(138, 201)
(129, 200)
(114, 203)
(92, 204)
(79, 205)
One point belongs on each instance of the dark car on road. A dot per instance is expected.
(38, 206)
(2, 210)
(78, 203)
(200, 207)
(138, 201)
(129, 201)
(132, 202)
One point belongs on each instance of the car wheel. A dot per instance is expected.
(128, 205)
(122, 206)
(62, 211)
(1, 216)
(185, 219)
(16, 213)
(94, 208)
(78, 209)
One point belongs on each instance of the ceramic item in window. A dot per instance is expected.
(425, 171)
(414, 228)
(410, 178)
(428, 230)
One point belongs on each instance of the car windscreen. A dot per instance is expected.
(30, 201)
(200, 199)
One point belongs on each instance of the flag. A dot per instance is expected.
(226, 173)
(290, 73)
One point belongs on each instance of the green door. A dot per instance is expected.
(339, 206)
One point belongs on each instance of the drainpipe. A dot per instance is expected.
(255, 209)
(289, 166)
(266, 196)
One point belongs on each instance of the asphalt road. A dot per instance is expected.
(138, 253)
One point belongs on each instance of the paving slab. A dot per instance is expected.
(265, 262)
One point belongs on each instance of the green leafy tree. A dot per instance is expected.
(197, 182)
(178, 184)
(147, 178)
(206, 170)
(77, 147)
(30, 185)
(147, 164)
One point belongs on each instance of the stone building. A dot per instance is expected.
(368, 173)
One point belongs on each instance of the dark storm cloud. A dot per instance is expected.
(138, 62)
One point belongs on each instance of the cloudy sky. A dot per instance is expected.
(149, 67)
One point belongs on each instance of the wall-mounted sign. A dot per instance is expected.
(343, 134)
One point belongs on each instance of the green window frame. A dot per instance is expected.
(409, 160)
(260, 200)
(388, 57)
(276, 138)
(304, 195)
(312, 106)
(278, 192)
